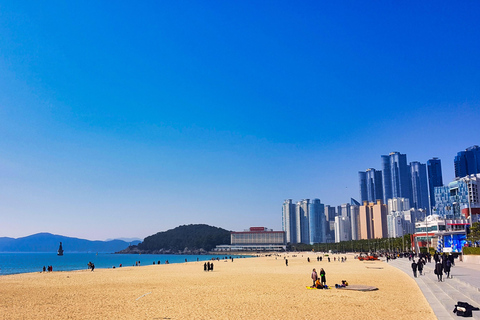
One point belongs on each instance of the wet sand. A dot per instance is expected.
(248, 288)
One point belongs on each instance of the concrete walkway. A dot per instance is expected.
(443, 296)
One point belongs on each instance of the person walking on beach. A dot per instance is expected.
(286, 262)
(439, 271)
(447, 267)
(414, 268)
(420, 266)
(323, 279)
(205, 266)
(314, 277)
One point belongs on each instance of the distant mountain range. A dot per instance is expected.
(47, 242)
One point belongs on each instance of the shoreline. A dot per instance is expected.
(259, 288)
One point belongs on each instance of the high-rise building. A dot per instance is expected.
(398, 204)
(342, 229)
(400, 171)
(418, 172)
(354, 202)
(330, 214)
(386, 179)
(354, 221)
(434, 170)
(317, 221)
(395, 225)
(371, 186)
(467, 162)
(302, 221)
(373, 220)
(459, 198)
(362, 179)
(344, 210)
(288, 221)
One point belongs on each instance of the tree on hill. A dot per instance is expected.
(194, 236)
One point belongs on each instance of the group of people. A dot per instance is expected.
(49, 268)
(443, 263)
(319, 282)
(208, 266)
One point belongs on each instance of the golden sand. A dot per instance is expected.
(248, 288)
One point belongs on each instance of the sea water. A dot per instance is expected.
(12, 263)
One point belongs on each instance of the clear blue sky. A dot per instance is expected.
(122, 119)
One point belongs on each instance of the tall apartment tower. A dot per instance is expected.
(317, 222)
(373, 220)
(302, 221)
(467, 162)
(371, 185)
(362, 180)
(354, 221)
(434, 170)
(330, 214)
(418, 172)
(289, 221)
(374, 185)
(342, 229)
(399, 173)
(386, 179)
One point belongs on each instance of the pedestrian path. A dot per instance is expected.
(443, 296)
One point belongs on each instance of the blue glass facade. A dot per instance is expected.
(317, 221)
(419, 186)
(435, 179)
(386, 179)
(449, 200)
(400, 173)
(362, 180)
(467, 162)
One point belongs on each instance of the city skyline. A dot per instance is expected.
(129, 119)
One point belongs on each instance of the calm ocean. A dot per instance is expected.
(11, 263)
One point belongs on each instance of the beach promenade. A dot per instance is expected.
(442, 296)
(247, 288)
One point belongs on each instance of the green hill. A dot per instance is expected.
(187, 238)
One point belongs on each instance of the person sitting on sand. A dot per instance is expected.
(318, 284)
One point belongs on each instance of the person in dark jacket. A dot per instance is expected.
(439, 270)
(322, 277)
(414, 268)
(447, 267)
(420, 266)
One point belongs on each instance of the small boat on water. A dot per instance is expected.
(60, 250)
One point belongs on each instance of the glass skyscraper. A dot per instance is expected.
(288, 221)
(371, 186)
(386, 179)
(467, 162)
(302, 221)
(317, 221)
(434, 169)
(400, 176)
(362, 179)
(419, 186)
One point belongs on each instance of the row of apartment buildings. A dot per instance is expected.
(394, 199)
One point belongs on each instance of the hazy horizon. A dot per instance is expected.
(126, 119)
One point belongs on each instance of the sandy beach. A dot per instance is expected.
(248, 288)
